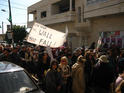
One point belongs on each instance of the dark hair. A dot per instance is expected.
(122, 53)
(8, 50)
(52, 62)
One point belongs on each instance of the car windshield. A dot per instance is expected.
(16, 82)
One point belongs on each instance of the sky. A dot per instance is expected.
(18, 9)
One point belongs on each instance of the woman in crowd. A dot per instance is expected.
(90, 61)
(53, 79)
(64, 69)
(45, 62)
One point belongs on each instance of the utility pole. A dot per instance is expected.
(10, 20)
(2, 28)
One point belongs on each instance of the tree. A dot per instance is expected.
(19, 33)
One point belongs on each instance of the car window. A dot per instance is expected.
(15, 82)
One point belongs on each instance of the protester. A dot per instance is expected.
(36, 62)
(92, 46)
(69, 57)
(119, 79)
(88, 69)
(103, 75)
(82, 70)
(29, 60)
(45, 62)
(14, 56)
(64, 69)
(77, 52)
(53, 79)
(113, 53)
(121, 62)
(78, 77)
(4, 56)
(22, 56)
(120, 88)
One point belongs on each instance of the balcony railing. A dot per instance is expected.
(57, 18)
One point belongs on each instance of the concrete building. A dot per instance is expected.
(2, 37)
(86, 19)
(57, 14)
(106, 17)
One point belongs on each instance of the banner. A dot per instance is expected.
(44, 36)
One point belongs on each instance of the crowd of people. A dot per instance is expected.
(80, 71)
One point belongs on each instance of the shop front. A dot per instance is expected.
(113, 38)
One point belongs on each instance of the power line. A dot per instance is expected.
(16, 13)
(15, 3)
(13, 7)
(13, 23)
(19, 23)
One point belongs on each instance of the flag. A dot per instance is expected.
(10, 19)
(100, 40)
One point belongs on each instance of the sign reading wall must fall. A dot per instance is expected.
(44, 36)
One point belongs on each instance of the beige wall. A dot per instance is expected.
(73, 36)
(78, 3)
(78, 32)
(104, 24)
(2, 37)
(104, 8)
(42, 3)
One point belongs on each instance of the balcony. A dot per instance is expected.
(83, 26)
(58, 18)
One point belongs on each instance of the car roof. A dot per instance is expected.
(9, 67)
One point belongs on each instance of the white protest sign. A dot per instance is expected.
(44, 36)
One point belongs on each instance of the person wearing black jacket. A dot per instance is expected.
(53, 79)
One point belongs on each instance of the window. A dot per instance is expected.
(43, 14)
(13, 82)
(79, 14)
(60, 7)
(73, 5)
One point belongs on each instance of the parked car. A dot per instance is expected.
(14, 79)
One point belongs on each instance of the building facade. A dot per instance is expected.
(57, 14)
(86, 19)
(106, 17)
